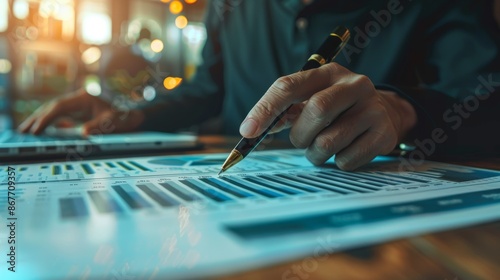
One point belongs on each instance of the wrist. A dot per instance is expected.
(406, 116)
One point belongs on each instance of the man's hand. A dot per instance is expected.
(336, 112)
(99, 116)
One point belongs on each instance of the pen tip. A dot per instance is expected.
(220, 172)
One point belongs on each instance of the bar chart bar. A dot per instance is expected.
(87, 169)
(205, 190)
(335, 184)
(56, 170)
(314, 184)
(139, 166)
(274, 187)
(375, 181)
(179, 191)
(73, 207)
(126, 167)
(130, 196)
(261, 191)
(104, 202)
(223, 186)
(157, 195)
(290, 184)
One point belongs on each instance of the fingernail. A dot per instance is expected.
(248, 128)
(33, 129)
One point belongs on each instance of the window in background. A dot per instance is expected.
(4, 15)
(57, 18)
(194, 37)
(95, 23)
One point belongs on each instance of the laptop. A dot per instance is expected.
(172, 217)
(71, 143)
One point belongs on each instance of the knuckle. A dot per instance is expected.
(265, 109)
(335, 68)
(364, 83)
(285, 84)
(319, 106)
(363, 80)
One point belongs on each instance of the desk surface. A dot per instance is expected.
(466, 253)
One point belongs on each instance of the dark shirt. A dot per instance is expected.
(435, 53)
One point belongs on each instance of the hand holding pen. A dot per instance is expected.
(331, 111)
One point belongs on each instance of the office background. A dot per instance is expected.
(134, 49)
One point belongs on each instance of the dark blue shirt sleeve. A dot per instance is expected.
(459, 76)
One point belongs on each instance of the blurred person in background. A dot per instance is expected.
(423, 73)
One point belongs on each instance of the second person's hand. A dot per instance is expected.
(99, 116)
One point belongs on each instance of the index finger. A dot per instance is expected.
(61, 108)
(286, 91)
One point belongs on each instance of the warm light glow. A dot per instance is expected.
(4, 15)
(96, 28)
(64, 12)
(32, 33)
(48, 8)
(91, 55)
(93, 88)
(172, 82)
(181, 22)
(5, 66)
(176, 7)
(165, 1)
(190, 1)
(21, 9)
(93, 85)
(157, 45)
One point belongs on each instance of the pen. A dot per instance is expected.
(325, 54)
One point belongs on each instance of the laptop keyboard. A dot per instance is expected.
(13, 137)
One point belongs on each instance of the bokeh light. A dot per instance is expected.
(4, 15)
(93, 88)
(176, 7)
(5, 66)
(181, 22)
(172, 82)
(93, 85)
(95, 28)
(157, 45)
(21, 9)
(149, 93)
(32, 33)
(91, 55)
(190, 1)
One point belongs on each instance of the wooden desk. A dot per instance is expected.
(467, 253)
